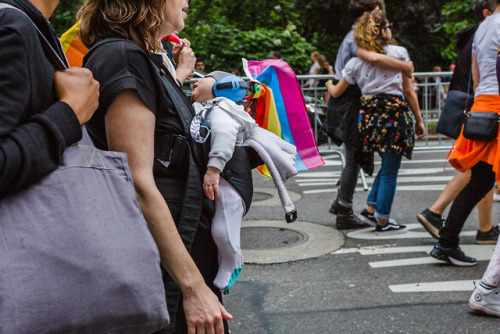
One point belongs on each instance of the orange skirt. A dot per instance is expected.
(467, 153)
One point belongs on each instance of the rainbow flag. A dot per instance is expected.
(287, 116)
(73, 46)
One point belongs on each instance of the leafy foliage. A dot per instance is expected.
(457, 15)
(222, 32)
(414, 27)
(65, 15)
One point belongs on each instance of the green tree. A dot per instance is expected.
(65, 15)
(223, 32)
(457, 15)
(414, 27)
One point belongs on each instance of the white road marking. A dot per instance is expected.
(410, 179)
(411, 171)
(404, 262)
(369, 234)
(465, 285)
(480, 252)
(377, 250)
(434, 187)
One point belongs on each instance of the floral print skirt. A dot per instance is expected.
(385, 125)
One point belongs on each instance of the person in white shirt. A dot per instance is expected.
(385, 124)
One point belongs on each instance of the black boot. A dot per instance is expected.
(346, 219)
(334, 209)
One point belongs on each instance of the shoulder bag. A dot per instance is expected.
(452, 115)
(76, 253)
(451, 118)
(481, 125)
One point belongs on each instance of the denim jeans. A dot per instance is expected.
(384, 187)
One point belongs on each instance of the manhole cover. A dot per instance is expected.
(270, 237)
(261, 196)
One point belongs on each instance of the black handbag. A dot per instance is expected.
(481, 125)
(452, 116)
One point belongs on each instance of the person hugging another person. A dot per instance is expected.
(385, 124)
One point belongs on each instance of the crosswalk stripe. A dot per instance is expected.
(465, 285)
(411, 179)
(412, 171)
(435, 187)
(480, 252)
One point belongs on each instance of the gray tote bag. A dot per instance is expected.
(76, 255)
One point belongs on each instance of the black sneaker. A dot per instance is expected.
(452, 255)
(488, 238)
(431, 223)
(391, 228)
(368, 218)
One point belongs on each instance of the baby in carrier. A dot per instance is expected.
(215, 100)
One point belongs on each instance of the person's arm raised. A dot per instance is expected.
(386, 62)
(130, 128)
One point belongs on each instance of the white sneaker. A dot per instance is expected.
(484, 301)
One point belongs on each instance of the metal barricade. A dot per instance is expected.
(431, 88)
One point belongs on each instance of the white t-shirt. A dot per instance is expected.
(485, 46)
(374, 80)
(312, 71)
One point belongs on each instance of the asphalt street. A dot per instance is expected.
(361, 283)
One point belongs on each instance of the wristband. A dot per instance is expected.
(178, 82)
(329, 81)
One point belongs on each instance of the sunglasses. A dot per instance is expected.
(390, 25)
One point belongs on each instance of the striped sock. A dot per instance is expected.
(486, 286)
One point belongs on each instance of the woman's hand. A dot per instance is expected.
(76, 86)
(211, 182)
(185, 60)
(420, 129)
(204, 313)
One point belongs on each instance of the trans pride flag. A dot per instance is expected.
(287, 116)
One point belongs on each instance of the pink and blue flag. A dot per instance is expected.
(287, 117)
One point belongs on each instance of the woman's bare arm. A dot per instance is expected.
(386, 62)
(475, 72)
(130, 128)
(412, 98)
(338, 89)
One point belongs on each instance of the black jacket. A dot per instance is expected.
(462, 78)
(34, 127)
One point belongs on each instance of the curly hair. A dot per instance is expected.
(368, 33)
(137, 20)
